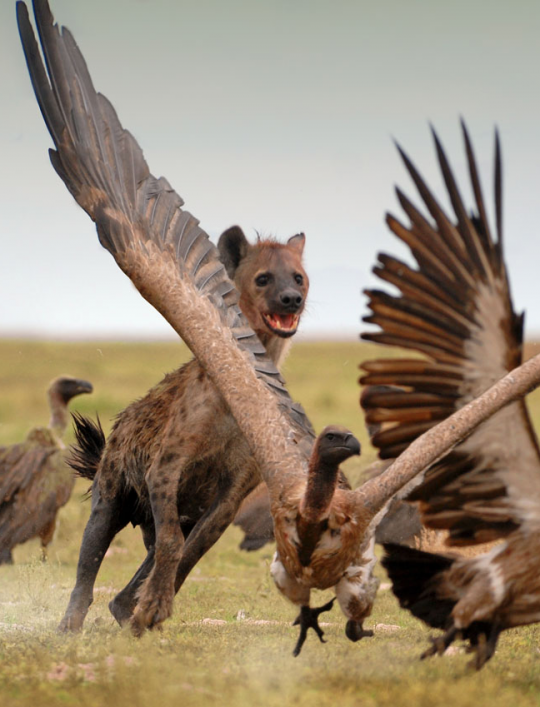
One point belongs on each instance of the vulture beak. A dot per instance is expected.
(352, 444)
(83, 386)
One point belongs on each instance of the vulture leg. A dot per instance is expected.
(309, 618)
(354, 630)
(484, 644)
(46, 535)
(356, 593)
(107, 518)
(123, 604)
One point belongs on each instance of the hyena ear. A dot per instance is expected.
(233, 247)
(297, 242)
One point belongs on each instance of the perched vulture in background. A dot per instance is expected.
(35, 482)
(456, 310)
(324, 533)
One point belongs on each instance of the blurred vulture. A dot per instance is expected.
(457, 311)
(324, 532)
(35, 482)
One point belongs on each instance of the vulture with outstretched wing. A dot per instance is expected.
(324, 539)
(456, 310)
(35, 481)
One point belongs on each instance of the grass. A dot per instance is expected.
(207, 654)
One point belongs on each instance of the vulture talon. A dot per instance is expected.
(355, 631)
(308, 618)
(432, 650)
(440, 644)
(484, 645)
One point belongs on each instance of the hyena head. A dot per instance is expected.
(272, 283)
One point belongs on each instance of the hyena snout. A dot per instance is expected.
(291, 300)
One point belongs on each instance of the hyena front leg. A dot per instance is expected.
(213, 523)
(156, 595)
(201, 537)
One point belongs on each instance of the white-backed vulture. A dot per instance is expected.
(35, 481)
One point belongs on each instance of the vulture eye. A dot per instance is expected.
(263, 279)
(298, 279)
(329, 436)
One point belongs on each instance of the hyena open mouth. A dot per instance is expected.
(282, 324)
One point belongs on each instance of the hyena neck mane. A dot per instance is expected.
(273, 285)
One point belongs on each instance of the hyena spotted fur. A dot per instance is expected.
(175, 462)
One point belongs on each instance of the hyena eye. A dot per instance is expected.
(263, 279)
(298, 279)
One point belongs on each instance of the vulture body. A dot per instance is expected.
(400, 524)
(35, 481)
(457, 311)
(173, 264)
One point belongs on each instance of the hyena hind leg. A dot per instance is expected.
(107, 518)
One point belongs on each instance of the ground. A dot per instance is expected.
(229, 640)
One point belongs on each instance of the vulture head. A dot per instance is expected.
(61, 391)
(66, 387)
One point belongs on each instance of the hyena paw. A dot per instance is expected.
(151, 611)
(71, 623)
(121, 610)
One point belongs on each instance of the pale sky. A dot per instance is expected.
(278, 115)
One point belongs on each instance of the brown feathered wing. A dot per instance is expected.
(455, 309)
(34, 483)
(159, 245)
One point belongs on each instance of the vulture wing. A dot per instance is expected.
(20, 462)
(456, 310)
(34, 483)
(158, 245)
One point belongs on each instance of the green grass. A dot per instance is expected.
(193, 662)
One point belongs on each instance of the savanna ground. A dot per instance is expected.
(213, 650)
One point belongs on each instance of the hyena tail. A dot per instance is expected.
(415, 577)
(86, 453)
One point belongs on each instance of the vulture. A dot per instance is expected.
(455, 309)
(35, 481)
(324, 535)
(401, 522)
